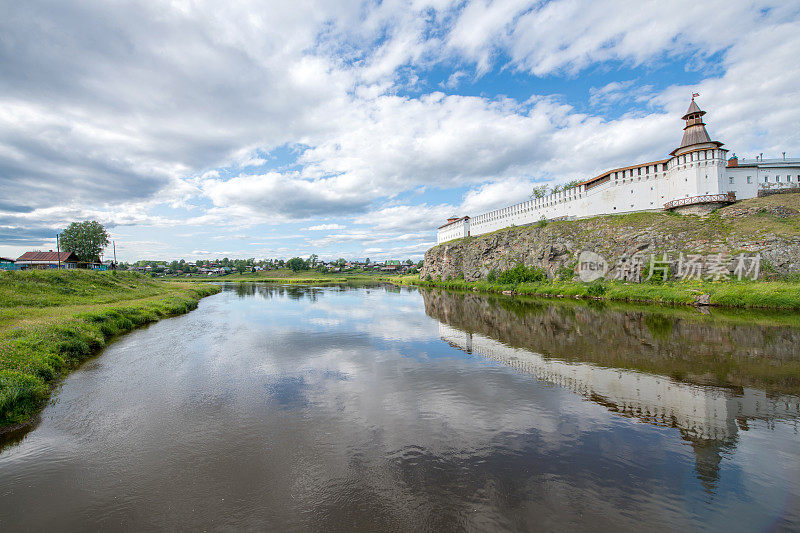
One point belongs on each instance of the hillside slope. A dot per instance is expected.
(769, 225)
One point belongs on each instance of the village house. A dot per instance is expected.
(50, 259)
(8, 264)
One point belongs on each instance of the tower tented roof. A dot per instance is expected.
(695, 134)
(693, 108)
(695, 130)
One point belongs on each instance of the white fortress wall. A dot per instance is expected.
(699, 167)
(704, 412)
(454, 230)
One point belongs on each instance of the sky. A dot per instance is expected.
(206, 129)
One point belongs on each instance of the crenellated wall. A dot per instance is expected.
(691, 172)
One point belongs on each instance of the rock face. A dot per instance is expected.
(769, 226)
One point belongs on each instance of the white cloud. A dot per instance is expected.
(181, 103)
(325, 227)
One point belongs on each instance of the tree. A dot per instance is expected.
(540, 191)
(366, 261)
(312, 260)
(296, 264)
(87, 239)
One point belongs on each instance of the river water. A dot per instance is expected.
(386, 409)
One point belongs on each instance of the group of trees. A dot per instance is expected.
(545, 189)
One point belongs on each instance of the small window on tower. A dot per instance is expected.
(730, 179)
(749, 179)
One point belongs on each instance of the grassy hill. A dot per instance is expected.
(52, 320)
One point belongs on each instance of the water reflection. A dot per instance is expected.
(341, 408)
(562, 344)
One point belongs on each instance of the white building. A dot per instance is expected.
(698, 176)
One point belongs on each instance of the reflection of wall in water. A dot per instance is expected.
(700, 412)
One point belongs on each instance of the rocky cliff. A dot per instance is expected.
(770, 226)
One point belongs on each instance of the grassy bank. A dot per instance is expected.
(744, 294)
(51, 321)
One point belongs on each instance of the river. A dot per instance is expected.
(392, 409)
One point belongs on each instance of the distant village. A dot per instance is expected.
(225, 266)
(210, 267)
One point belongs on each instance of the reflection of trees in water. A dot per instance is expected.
(298, 292)
(305, 292)
(539, 338)
(245, 289)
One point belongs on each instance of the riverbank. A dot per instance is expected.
(736, 294)
(51, 321)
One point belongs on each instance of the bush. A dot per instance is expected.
(521, 274)
(428, 278)
(565, 273)
(657, 271)
(492, 277)
(542, 222)
(596, 288)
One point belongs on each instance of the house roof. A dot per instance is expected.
(49, 256)
(6, 260)
(608, 172)
(453, 221)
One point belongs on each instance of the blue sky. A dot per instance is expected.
(352, 129)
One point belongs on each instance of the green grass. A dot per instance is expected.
(744, 294)
(51, 321)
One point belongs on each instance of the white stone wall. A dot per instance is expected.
(694, 172)
(454, 230)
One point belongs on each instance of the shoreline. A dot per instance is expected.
(37, 356)
(778, 295)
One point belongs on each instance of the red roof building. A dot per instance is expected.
(49, 259)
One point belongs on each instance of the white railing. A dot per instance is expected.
(728, 197)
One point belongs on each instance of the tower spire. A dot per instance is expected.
(695, 130)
